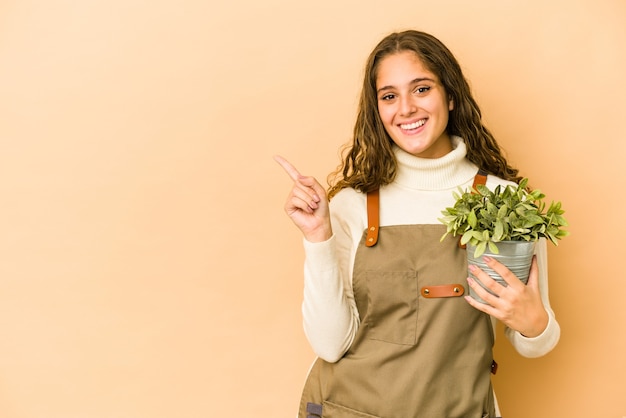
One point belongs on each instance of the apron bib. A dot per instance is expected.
(421, 350)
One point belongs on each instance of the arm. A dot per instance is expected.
(529, 321)
(544, 342)
(330, 316)
(329, 310)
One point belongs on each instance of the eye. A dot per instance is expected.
(387, 97)
(422, 89)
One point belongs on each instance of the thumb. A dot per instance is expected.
(533, 275)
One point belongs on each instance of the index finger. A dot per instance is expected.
(286, 165)
(503, 271)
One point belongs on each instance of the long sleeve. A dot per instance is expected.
(330, 315)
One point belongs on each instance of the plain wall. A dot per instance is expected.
(146, 266)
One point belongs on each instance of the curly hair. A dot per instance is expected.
(369, 161)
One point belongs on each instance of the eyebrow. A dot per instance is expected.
(417, 80)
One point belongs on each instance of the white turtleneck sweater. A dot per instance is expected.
(421, 190)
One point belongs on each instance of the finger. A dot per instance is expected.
(484, 307)
(487, 289)
(502, 270)
(487, 281)
(295, 205)
(306, 195)
(533, 274)
(286, 165)
(311, 186)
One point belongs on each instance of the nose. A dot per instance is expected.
(407, 105)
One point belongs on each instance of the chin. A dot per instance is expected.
(416, 149)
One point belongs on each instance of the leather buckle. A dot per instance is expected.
(443, 291)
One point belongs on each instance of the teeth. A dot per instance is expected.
(413, 125)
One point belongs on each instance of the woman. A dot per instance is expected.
(386, 347)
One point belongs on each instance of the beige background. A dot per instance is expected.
(146, 266)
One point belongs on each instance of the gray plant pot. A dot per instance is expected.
(516, 255)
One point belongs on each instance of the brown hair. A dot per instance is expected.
(369, 160)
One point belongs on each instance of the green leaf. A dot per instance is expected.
(504, 209)
(523, 183)
(471, 219)
(466, 237)
(498, 231)
(482, 190)
(480, 249)
(532, 220)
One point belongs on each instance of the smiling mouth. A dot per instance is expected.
(414, 125)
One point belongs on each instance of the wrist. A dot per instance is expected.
(321, 234)
(539, 326)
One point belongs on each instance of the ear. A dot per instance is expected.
(450, 104)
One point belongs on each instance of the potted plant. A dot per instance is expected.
(504, 223)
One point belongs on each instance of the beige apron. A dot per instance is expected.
(421, 350)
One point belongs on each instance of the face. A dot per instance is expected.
(413, 105)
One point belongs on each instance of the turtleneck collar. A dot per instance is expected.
(447, 172)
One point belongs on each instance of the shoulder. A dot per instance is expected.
(348, 197)
(349, 208)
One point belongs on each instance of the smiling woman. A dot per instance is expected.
(383, 296)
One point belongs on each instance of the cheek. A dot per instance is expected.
(386, 114)
(439, 107)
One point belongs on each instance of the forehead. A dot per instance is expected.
(401, 68)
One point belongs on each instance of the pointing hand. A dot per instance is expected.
(307, 204)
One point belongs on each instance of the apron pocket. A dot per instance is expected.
(333, 410)
(392, 306)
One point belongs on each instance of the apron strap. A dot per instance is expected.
(480, 178)
(372, 218)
